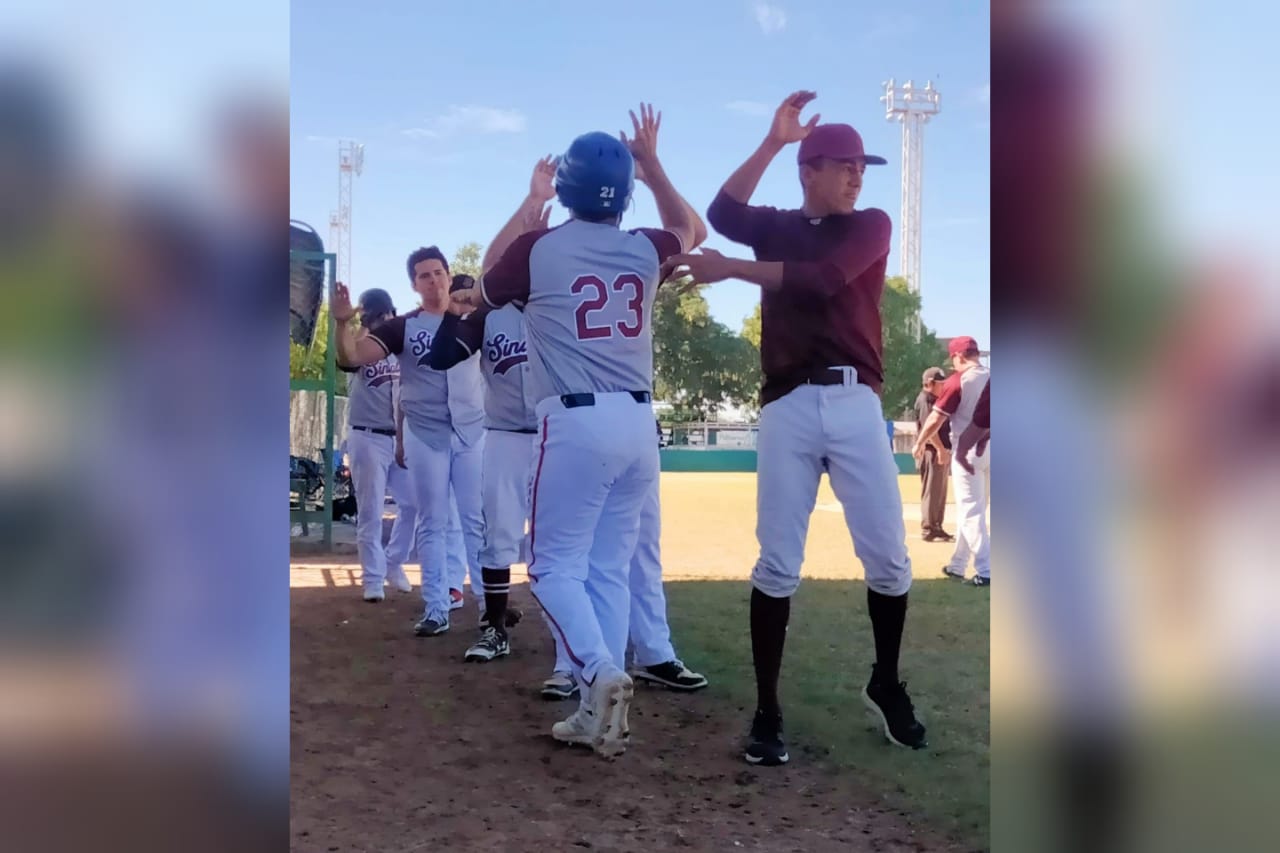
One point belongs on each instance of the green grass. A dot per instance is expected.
(828, 658)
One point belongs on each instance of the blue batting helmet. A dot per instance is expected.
(374, 304)
(596, 175)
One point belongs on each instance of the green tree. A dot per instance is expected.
(905, 357)
(309, 362)
(699, 364)
(751, 327)
(466, 261)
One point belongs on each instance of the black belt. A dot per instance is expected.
(517, 431)
(376, 430)
(828, 376)
(574, 401)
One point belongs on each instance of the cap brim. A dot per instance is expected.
(873, 160)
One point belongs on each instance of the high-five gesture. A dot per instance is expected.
(706, 268)
(340, 306)
(542, 184)
(644, 140)
(786, 121)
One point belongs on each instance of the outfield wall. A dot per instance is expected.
(684, 459)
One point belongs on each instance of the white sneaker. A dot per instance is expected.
(400, 581)
(610, 702)
(373, 592)
(579, 728)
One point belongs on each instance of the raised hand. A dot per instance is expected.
(340, 306)
(542, 184)
(786, 120)
(644, 140)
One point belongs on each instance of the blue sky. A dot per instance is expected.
(455, 101)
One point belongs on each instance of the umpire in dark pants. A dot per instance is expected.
(934, 472)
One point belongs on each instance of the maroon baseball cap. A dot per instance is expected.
(962, 345)
(835, 142)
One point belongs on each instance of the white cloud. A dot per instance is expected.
(469, 120)
(327, 140)
(751, 108)
(771, 18)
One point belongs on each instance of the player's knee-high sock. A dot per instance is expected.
(888, 616)
(497, 585)
(769, 617)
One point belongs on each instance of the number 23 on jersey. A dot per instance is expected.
(596, 296)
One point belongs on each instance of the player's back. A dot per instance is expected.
(591, 292)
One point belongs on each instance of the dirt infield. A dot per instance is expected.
(400, 746)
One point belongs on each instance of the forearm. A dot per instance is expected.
(743, 182)
(346, 345)
(930, 429)
(676, 214)
(513, 229)
(767, 274)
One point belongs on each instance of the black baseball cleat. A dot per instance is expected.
(979, 580)
(673, 674)
(766, 747)
(491, 645)
(890, 702)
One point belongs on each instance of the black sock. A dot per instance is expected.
(769, 617)
(888, 616)
(497, 584)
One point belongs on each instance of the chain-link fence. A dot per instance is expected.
(734, 436)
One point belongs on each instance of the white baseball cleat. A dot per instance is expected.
(400, 581)
(610, 703)
(373, 593)
(579, 728)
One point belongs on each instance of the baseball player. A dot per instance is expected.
(370, 447)
(587, 288)
(508, 452)
(426, 416)
(652, 655)
(467, 413)
(821, 274)
(978, 432)
(957, 402)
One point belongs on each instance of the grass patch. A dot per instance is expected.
(828, 659)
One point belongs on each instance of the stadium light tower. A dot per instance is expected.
(913, 107)
(350, 163)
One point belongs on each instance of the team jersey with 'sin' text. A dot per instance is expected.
(371, 394)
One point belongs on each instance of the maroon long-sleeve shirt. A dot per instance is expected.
(827, 312)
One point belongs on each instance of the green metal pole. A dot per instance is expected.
(330, 382)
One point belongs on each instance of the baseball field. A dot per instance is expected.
(400, 746)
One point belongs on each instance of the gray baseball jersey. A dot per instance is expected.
(466, 400)
(424, 393)
(499, 336)
(588, 291)
(371, 394)
(959, 396)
